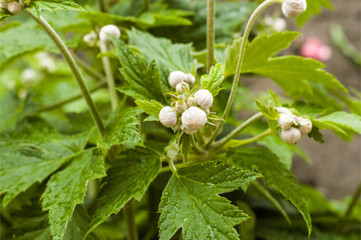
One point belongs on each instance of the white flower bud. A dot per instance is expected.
(14, 7)
(286, 121)
(190, 79)
(279, 25)
(108, 29)
(181, 87)
(293, 8)
(305, 125)
(190, 102)
(180, 106)
(292, 135)
(203, 98)
(283, 110)
(190, 132)
(90, 38)
(28, 76)
(176, 77)
(194, 118)
(168, 117)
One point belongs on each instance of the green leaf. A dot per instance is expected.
(276, 174)
(316, 135)
(295, 74)
(151, 108)
(31, 153)
(268, 112)
(123, 129)
(214, 79)
(128, 176)
(38, 6)
(191, 201)
(327, 125)
(172, 56)
(347, 121)
(78, 226)
(67, 188)
(313, 8)
(141, 77)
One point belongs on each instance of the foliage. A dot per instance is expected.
(65, 176)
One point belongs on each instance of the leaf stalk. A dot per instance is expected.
(210, 33)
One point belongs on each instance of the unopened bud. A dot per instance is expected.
(203, 98)
(181, 87)
(293, 8)
(292, 135)
(286, 121)
(90, 38)
(180, 106)
(14, 7)
(194, 118)
(190, 102)
(190, 132)
(28, 76)
(168, 117)
(305, 125)
(283, 110)
(279, 24)
(176, 77)
(111, 30)
(190, 79)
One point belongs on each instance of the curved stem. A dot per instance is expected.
(74, 68)
(70, 99)
(109, 76)
(210, 33)
(237, 130)
(354, 201)
(247, 30)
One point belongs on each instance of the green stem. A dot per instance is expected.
(74, 68)
(129, 210)
(210, 33)
(104, 6)
(70, 99)
(237, 130)
(109, 76)
(196, 146)
(89, 69)
(247, 30)
(168, 168)
(354, 200)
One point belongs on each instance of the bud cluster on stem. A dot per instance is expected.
(190, 111)
(292, 126)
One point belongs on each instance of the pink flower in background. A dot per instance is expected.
(314, 48)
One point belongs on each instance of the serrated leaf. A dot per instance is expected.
(67, 188)
(141, 77)
(38, 6)
(268, 112)
(316, 135)
(275, 174)
(327, 125)
(173, 56)
(151, 108)
(212, 81)
(348, 121)
(273, 101)
(123, 129)
(78, 225)
(31, 153)
(313, 8)
(296, 75)
(128, 176)
(191, 201)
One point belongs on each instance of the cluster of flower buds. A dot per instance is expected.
(293, 8)
(292, 126)
(181, 81)
(13, 7)
(91, 38)
(190, 111)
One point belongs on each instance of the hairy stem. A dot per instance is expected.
(237, 130)
(109, 76)
(129, 214)
(210, 33)
(247, 30)
(74, 68)
(70, 99)
(104, 6)
(354, 200)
